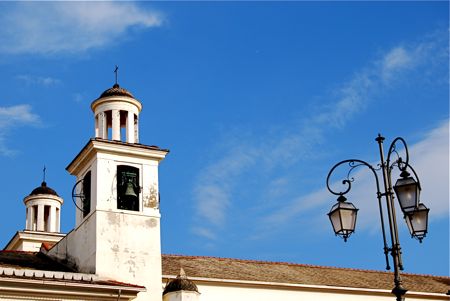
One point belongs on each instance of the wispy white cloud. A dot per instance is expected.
(216, 188)
(429, 157)
(398, 58)
(213, 190)
(38, 80)
(431, 162)
(56, 27)
(78, 97)
(12, 117)
(204, 232)
(17, 115)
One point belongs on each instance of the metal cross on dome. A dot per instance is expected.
(116, 71)
(43, 171)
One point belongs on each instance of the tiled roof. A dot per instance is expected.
(38, 265)
(30, 260)
(287, 273)
(116, 90)
(35, 265)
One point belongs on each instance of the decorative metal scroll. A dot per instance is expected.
(352, 164)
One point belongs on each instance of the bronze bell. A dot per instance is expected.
(130, 190)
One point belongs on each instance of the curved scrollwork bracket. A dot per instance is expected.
(402, 164)
(352, 164)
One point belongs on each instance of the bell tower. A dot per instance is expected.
(124, 174)
(117, 232)
(43, 209)
(42, 226)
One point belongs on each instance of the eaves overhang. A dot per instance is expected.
(98, 145)
(47, 284)
(108, 99)
(33, 236)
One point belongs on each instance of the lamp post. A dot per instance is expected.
(343, 214)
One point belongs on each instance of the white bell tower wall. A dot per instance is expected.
(117, 232)
(115, 243)
(102, 159)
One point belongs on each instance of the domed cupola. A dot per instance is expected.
(180, 288)
(43, 207)
(116, 115)
(116, 90)
(43, 189)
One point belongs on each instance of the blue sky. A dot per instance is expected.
(255, 100)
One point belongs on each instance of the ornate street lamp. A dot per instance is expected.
(408, 192)
(343, 217)
(417, 222)
(343, 214)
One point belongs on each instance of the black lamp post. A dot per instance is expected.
(343, 214)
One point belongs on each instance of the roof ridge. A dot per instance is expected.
(299, 264)
(119, 283)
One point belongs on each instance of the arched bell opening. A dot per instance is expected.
(128, 188)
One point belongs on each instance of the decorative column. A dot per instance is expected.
(40, 218)
(115, 125)
(52, 220)
(130, 127)
(103, 126)
(29, 223)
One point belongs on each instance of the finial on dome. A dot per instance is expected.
(43, 171)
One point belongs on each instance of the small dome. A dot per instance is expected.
(116, 90)
(43, 189)
(181, 283)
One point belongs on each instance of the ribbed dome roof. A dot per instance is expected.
(43, 189)
(116, 90)
(181, 283)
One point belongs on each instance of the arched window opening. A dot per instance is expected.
(86, 205)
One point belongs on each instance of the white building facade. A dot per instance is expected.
(114, 250)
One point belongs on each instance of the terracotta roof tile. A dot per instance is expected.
(118, 283)
(279, 272)
(116, 90)
(35, 265)
(30, 260)
(252, 271)
(47, 245)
